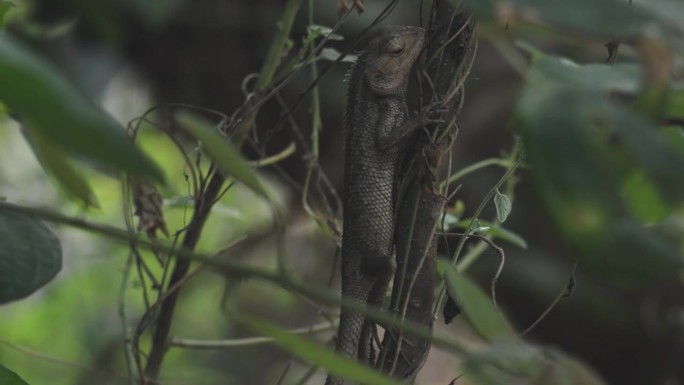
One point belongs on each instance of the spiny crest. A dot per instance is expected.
(360, 59)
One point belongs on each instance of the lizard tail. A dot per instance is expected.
(348, 335)
(351, 325)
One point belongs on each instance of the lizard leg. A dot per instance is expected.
(392, 137)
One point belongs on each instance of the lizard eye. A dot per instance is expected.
(397, 51)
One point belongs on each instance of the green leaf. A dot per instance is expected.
(30, 256)
(605, 18)
(226, 156)
(675, 108)
(316, 30)
(569, 161)
(566, 134)
(517, 362)
(8, 377)
(671, 11)
(485, 319)
(495, 231)
(509, 362)
(481, 230)
(56, 163)
(332, 54)
(643, 198)
(620, 77)
(662, 162)
(5, 6)
(559, 369)
(503, 206)
(315, 354)
(45, 101)
(632, 254)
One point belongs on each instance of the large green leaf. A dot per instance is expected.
(567, 134)
(485, 319)
(30, 256)
(621, 77)
(45, 101)
(226, 156)
(662, 162)
(8, 377)
(606, 18)
(5, 6)
(316, 354)
(559, 369)
(511, 362)
(56, 163)
(519, 363)
(642, 197)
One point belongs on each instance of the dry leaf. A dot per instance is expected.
(345, 5)
(148, 207)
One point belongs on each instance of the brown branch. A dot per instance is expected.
(163, 327)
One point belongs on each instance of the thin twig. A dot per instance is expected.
(249, 341)
(563, 293)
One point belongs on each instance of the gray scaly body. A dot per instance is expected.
(375, 123)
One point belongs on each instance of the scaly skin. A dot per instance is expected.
(375, 123)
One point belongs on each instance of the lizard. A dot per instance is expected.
(376, 123)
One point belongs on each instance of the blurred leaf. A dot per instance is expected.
(606, 18)
(484, 318)
(503, 206)
(5, 6)
(56, 163)
(642, 140)
(332, 54)
(579, 183)
(519, 363)
(30, 256)
(642, 198)
(481, 230)
(675, 136)
(156, 13)
(503, 363)
(632, 254)
(574, 372)
(560, 369)
(47, 103)
(567, 161)
(676, 103)
(227, 157)
(667, 10)
(496, 231)
(315, 354)
(458, 210)
(661, 161)
(315, 31)
(620, 77)
(8, 377)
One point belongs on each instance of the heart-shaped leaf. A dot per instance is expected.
(30, 256)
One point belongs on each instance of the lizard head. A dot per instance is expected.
(389, 57)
